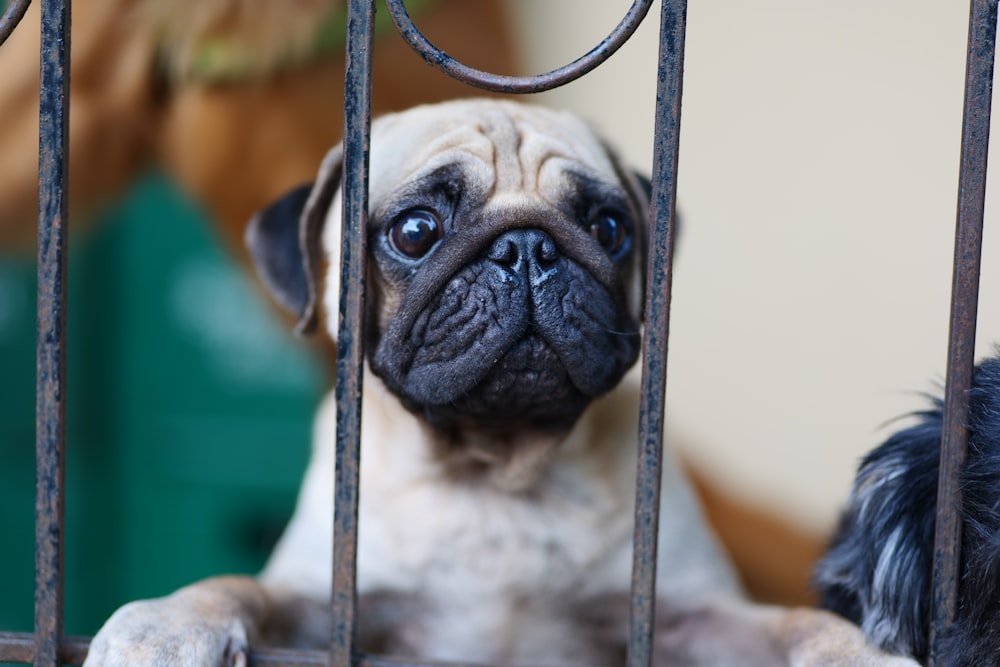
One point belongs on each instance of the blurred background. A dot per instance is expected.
(818, 181)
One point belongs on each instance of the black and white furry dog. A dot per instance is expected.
(877, 572)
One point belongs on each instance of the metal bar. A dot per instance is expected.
(498, 83)
(962, 325)
(11, 16)
(350, 337)
(20, 647)
(300, 658)
(390, 661)
(288, 658)
(50, 407)
(17, 647)
(659, 278)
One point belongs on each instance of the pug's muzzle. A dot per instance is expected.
(511, 323)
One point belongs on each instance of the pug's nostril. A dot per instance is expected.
(532, 245)
(505, 252)
(546, 252)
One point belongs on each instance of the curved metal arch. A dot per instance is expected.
(499, 83)
(11, 17)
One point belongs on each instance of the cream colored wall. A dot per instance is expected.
(818, 175)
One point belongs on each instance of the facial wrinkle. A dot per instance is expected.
(506, 137)
(535, 151)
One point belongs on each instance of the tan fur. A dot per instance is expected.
(527, 564)
(124, 119)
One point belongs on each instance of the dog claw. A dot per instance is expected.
(235, 654)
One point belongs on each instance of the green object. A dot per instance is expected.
(227, 60)
(189, 414)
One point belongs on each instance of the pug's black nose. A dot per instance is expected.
(533, 246)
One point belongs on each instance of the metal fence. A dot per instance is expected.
(47, 646)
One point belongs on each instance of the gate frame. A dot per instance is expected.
(48, 647)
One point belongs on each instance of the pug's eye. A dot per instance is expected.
(610, 232)
(415, 232)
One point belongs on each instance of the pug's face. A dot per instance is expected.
(504, 268)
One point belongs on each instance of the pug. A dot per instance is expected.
(498, 447)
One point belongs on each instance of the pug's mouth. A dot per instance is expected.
(528, 386)
(523, 336)
(539, 372)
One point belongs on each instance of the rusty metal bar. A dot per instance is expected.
(300, 658)
(50, 407)
(11, 16)
(659, 278)
(962, 325)
(517, 84)
(17, 647)
(350, 337)
(20, 647)
(390, 661)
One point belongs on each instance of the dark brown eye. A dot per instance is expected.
(415, 232)
(610, 232)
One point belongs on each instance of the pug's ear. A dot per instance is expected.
(639, 190)
(284, 241)
(646, 186)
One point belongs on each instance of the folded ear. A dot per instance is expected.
(647, 187)
(284, 241)
(638, 189)
(644, 184)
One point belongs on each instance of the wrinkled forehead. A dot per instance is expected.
(504, 147)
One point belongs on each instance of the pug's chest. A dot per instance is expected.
(494, 577)
(503, 630)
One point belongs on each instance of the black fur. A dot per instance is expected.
(272, 238)
(518, 316)
(877, 572)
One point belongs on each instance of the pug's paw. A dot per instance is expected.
(176, 630)
(820, 639)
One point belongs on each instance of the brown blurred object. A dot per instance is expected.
(773, 557)
(237, 142)
(233, 143)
